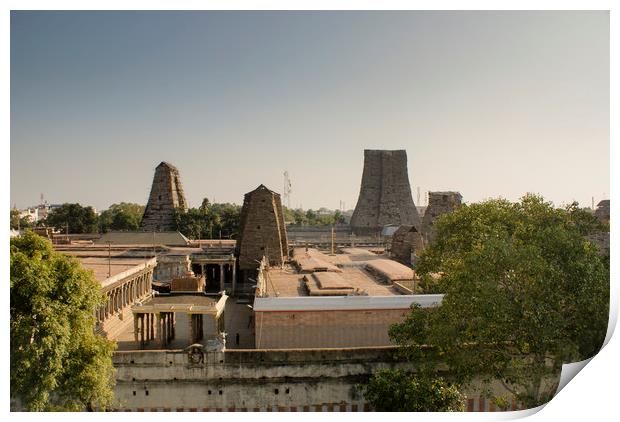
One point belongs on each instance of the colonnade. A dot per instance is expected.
(125, 294)
(222, 273)
(149, 326)
(160, 326)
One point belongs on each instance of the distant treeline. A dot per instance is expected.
(208, 221)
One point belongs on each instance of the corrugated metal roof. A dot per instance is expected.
(262, 304)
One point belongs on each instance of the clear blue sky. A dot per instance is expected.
(487, 103)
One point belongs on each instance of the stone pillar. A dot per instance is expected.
(142, 326)
(202, 333)
(221, 277)
(190, 317)
(152, 326)
(234, 277)
(135, 327)
(169, 329)
(172, 322)
(147, 329)
(160, 330)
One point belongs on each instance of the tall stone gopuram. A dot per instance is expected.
(261, 230)
(385, 194)
(166, 196)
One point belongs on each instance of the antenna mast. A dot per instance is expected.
(286, 192)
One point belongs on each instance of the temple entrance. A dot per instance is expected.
(219, 273)
(212, 278)
(197, 269)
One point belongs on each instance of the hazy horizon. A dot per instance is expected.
(490, 104)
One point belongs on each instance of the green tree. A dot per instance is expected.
(58, 362)
(121, 217)
(14, 219)
(76, 218)
(299, 218)
(209, 221)
(399, 391)
(524, 291)
(20, 223)
(339, 218)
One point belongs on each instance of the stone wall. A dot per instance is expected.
(385, 194)
(262, 231)
(406, 241)
(439, 203)
(166, 196)
(256, 380)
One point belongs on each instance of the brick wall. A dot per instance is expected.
(312, 329)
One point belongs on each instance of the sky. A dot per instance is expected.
(490, 104)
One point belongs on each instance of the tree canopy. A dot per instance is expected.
(74, 217)
(298, 217)
(524, 291)
(58, 362)
(18, 222)
(399, 391)
(121, 217)
(210, 221)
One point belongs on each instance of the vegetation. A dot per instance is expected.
(524, 290)
(58, 362)
(121, 217)
(19, 223)
(398, 391)
(300, 217)
(210, 221)
(74, 218)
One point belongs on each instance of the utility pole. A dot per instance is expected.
(332, 240)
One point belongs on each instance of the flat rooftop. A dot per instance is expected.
(104, 269)
(287, 282)
(183, 299)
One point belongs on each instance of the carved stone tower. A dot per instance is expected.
(385, 194)
(166, 196)
(261, 230)
(439, 203)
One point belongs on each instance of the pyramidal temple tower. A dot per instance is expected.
(166, 195)
(385, 194)
(261, 230)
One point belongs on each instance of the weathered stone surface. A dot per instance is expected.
(439, 203)
(602, 242)
(406, 241)
(166, 196)
(262, 231)
(385, 194)
(603, 210)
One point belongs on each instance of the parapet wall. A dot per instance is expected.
(248, 379)
(258, 380)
